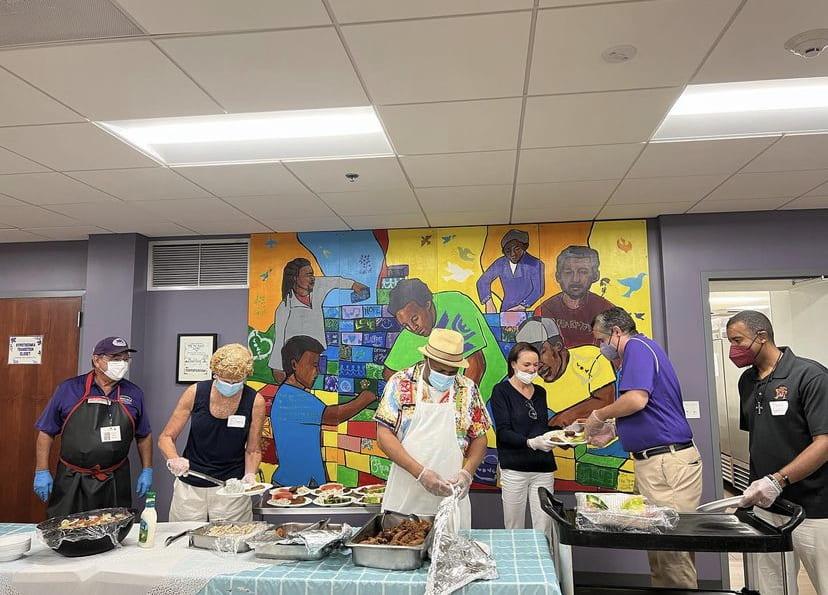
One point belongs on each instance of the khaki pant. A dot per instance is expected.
(673, 479)
(810, 542)
(202, 504)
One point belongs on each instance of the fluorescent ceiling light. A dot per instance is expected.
(302, 135)
(756, 108)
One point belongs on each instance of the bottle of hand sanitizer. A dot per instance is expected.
(149, 519)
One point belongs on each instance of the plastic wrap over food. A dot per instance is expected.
(86, 526)
(622, 512)
(456, 560)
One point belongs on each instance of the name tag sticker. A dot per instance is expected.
(236, 421)
(779, 407)
(98, 401)
(111, 434)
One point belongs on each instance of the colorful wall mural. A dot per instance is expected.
(325, 341)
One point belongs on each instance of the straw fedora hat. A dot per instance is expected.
(445, 346)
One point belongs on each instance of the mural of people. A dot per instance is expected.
(584, 377)
(576, 270)
(297, 415)
(520, 274)
(300, 311)
(418, 310)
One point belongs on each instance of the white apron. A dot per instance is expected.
(431, 440)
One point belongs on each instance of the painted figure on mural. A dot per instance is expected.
(581, 379)
(573, 309)
(297, 415)
(520, 274)
(418, 310)
(300, 311)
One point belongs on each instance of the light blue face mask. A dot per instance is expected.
(440, 381)
(228, 389)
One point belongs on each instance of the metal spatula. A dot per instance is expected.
(205, 477)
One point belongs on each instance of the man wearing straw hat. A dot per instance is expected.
(432, 425)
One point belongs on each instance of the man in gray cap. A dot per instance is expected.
(520, 274)
(583, 379)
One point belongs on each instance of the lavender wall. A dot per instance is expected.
(42, 266)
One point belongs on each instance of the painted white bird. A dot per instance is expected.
(457, 273)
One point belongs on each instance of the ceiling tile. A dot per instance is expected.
(188, 211)
(71, 147)
(595, 118)
(16, 235)
(8, 201)
(67, 233)
(672, 38)
(697, 158)
(121, 217)
(465, 199)
(276, 70)
(29, 216)
(196, 16)
(244, 225)
(545, 198)
(49, 189)
(156, 183)
(466, 218)
(21, 104)
(571, 164)
(371, 202)
(351, 11)
(769, 185)
(15, 164)
(386, 221)
(453, 127)
(461, 169)
(819, 191)
(159, 229)
(643, 211)
(556, 214)
(253, 179)
(809, 202)
(381, 173)
(442, 59)
(111, 81)
(795, 152)
(559, 3)
(332, 223)
(665, 190)
(735, 206)
(753, 47)
(281, 205)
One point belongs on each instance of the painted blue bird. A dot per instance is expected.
(632, 284)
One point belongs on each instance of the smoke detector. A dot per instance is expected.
(808, 44)
(619, 54)
(352, 177)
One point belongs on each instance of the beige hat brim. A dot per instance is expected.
(461, 363)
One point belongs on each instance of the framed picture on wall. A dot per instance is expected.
(194, 353)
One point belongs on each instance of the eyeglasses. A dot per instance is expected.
(533, 414)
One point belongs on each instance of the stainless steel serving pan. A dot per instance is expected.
(266, 544)
(200, 539)
(388, 557)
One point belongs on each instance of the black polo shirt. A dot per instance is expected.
(783, 413)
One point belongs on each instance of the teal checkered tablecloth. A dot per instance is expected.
(524, 566)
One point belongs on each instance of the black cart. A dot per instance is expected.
(741, 531)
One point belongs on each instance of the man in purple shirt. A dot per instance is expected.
(97, 416)
(651, 424)
(520, 274)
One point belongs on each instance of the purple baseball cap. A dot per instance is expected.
(112, 346)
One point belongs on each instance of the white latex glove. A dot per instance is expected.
(433, 483)
(762, 492)
(462, 481)
(178, 466)
(540, 443)
(249, 478)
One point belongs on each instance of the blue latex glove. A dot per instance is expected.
(43, 484)
(144, 481)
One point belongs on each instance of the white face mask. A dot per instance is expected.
(116, 369)
(525, 377)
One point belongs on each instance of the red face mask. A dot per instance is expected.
(744, 356)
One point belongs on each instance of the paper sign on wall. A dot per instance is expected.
(691, 410)
(26, 350)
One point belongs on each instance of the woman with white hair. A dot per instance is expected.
(226, 419)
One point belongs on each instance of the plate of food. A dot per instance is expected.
(331, 488)
(566, 437)
(288, 500)
(295, 490)
(377, 488)
(371, 499)
(235, 488)
(334, 500)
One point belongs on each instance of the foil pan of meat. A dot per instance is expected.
(392, 541)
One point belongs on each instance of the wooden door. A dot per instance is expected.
(25, 389)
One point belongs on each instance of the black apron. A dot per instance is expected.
(93, 473)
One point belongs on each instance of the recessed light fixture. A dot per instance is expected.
(302, 135)
(755, 108)
(808, 44)
(619, 54)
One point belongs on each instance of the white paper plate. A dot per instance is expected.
(277, 505)
(557, 437)
(350, 502)
(364, 489)
(258, 492)
(720, 505)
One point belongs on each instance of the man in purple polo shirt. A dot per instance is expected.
(651, 424)
(97, 416)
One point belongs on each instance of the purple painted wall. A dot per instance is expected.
(42, 266)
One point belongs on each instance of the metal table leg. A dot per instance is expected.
(562, 555)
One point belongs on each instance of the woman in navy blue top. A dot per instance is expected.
(226, 419)
(521, 420)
